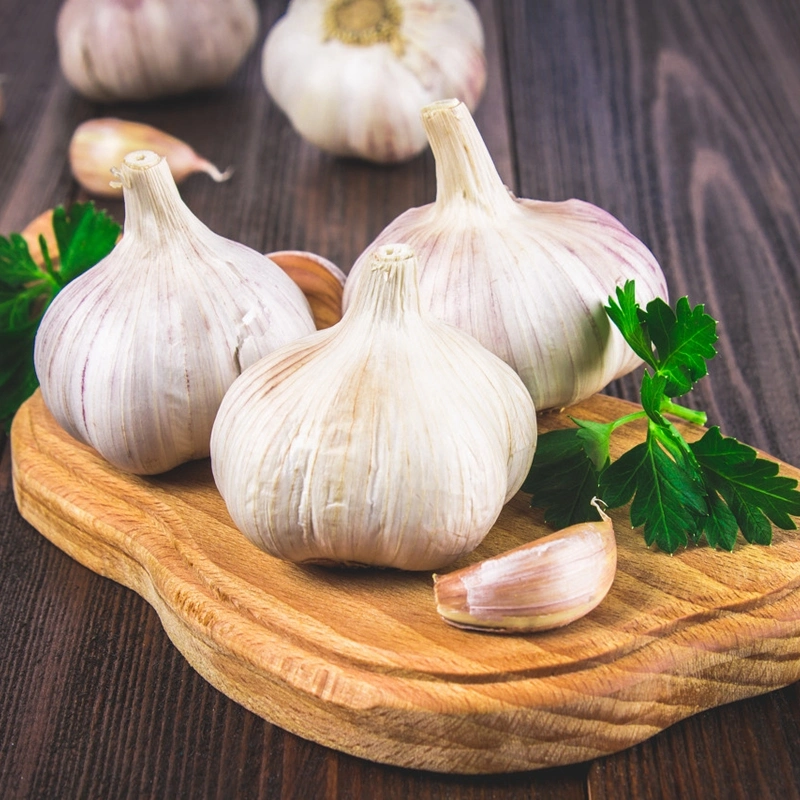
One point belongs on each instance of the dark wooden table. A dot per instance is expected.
(681, 118)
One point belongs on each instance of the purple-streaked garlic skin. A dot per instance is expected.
(352, 77)
(529, 279)
(545, 584)
(134, 356)
(111, 50)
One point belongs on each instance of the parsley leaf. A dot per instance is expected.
(563, 479)
(84, 236)
(678, 492)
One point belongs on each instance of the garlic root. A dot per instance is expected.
(100, 145)
(541, 585)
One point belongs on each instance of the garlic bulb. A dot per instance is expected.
(99, 145)
(351, 75)
(544, 584)
(134, 356)
(527, 278)
(141, 49)
(390, 439)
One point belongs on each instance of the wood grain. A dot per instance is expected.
(359, 660)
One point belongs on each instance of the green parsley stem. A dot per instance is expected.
(689, 414)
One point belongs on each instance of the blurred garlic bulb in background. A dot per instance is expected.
(134, 355)
(529, 279)
(352, 75)
(99, 145)
(389, 439)
(141, 49)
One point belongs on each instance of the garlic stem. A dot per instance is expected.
(390, 287)
(154, 210)
(464, 167)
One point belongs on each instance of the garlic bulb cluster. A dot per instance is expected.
(545, 584)
(351, 75)
(529, 279)
(134, 355)
(99, 145)
(141, 49)
(390, 439)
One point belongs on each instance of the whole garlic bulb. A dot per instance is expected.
(141, 49)
(134, 356)
(529, 279)
(390, 439)
(351, 75)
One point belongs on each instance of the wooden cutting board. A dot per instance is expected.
(361, 662)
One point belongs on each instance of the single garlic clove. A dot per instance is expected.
(99, 145)
(321, 280)
(351, 75)
(544, 584)
(140, 49)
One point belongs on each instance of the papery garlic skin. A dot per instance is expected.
(135, 355)
(99, 145)
(353, 85)
(390, 439)
(142, 49)
(529, 279)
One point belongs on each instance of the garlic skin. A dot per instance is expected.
(545, 584)
(134, 355)
(141, 49)
(529, 279)
(351, 75)
(99, 145)
(389, 439)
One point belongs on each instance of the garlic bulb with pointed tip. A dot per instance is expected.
(141, 49)
(134, 355)
(351, 75)
(529, 279)
(390, 439)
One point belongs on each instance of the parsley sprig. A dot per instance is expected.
(84, 235)
(679, 492)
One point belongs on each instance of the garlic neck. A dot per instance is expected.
(364, 22)
(388, 290)
(465, 172)
(154, 211)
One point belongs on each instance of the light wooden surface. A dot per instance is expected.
(358, 660)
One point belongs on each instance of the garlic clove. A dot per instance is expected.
(99, 145)
(351, 75)
(134, 355)
(389, 439)
(529, 279)
(545, 584)
(137, 50)
(321, 280)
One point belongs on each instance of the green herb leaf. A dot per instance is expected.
(666, 498)
(84, 235)
(628, 317)
(684, 339)
(751, 486)
(563, 479)
(712, 488)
